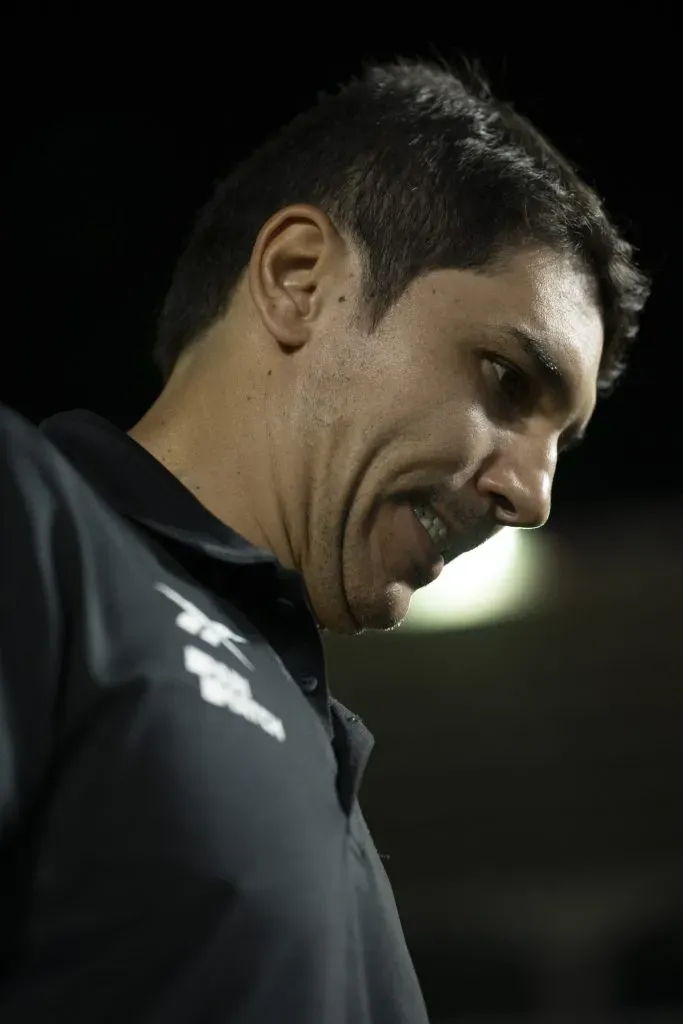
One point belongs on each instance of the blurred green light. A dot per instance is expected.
(498, 580)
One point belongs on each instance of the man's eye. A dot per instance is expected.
(513, 385)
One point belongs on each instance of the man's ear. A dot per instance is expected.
(287, 271)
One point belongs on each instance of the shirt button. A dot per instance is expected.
(308, 683)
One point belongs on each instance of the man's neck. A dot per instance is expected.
(221, 461)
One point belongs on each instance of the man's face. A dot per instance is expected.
(447, 404)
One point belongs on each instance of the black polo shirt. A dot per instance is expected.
(180, 838)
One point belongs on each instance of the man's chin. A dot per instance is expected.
(382, 611)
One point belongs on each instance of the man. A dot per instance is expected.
(388, 323)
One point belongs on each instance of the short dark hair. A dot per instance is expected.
(423, 169)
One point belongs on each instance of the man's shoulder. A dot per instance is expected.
(19, 434)
(31, 465)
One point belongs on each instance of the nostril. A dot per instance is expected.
(504, 504)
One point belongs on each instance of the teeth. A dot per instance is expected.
(434, 526)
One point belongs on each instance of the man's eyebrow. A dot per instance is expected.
(548, 368)
(542, 356)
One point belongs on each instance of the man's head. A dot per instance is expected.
(406, 297)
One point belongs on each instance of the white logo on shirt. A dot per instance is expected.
(224, 687)
(219, 684)
(195, 622)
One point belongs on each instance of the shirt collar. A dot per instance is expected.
(141, 488)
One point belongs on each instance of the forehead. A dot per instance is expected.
(537, 292)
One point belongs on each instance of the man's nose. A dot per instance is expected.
(519, 484)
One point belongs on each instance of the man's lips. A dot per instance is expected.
(461, 538)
